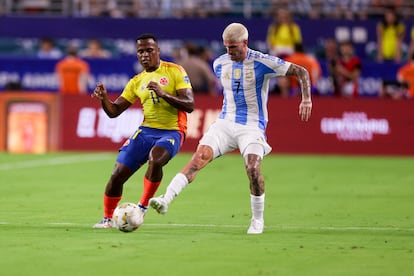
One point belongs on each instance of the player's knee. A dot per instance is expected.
(158, 157)
(155, 163)
(120, 173)
(204, 154)
(200, 159)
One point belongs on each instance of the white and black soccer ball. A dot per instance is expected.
(127, 217)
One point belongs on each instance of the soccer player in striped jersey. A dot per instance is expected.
(244, 75)
(165, 93)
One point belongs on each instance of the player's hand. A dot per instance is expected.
(99, 92)
(154, 86)
(305, 110)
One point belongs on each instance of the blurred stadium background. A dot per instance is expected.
(325, 215)
(28, 86)
(203, 8)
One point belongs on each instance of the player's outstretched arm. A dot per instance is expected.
(305, 107)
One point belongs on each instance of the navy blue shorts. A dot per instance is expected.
(134, 152)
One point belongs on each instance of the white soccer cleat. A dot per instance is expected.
(159, 204)
(104, 223)
(256, 227)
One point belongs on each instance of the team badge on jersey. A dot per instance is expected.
(186, 79)
(237, 73)
(163, 81)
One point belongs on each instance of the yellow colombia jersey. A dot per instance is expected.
(157, 112)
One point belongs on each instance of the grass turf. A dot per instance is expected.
(325, 215)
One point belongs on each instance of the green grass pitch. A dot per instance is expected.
(324, 215)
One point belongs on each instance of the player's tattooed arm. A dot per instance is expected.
(304, 80)
(305, 107)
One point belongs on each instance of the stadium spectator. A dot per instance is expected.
(348, 70)
(149, 9)
(360, 8)
(184, 8)
(345, 9)
(390, 35)
(282, 34)
(393, 89)
(73, 73)
(47, 49)
(91, 7)
(302, 8)
(310, 63)
(94, 50)
(242, 123)
(405, 75)
(199, 71)
(380, 4)
(331, 56)
(34, 6)
(205, 54)
(196, 8)
(411, 45)
(166, 95)
(216, 8)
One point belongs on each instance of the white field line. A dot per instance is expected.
(55, 161)
(280, 227)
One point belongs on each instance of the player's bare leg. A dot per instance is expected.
(199, 160)
(257, 196)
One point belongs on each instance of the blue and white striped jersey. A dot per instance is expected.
(246, 86)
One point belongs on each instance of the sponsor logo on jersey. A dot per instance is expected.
(249, 75)
(226, 76)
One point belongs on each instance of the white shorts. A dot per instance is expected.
(225, 136)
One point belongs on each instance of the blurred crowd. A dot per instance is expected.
(344, 66)
(347, 9)
(284, 38)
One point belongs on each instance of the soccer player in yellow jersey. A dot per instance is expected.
(166, 95)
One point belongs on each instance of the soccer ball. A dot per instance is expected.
(127, 217)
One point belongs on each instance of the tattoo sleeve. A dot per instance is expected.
(304, 80)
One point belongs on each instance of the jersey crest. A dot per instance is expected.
(164, 81)
(237, 73)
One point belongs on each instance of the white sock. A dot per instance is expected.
(257, 205)
(177, 184)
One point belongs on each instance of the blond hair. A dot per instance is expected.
(235, 32)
